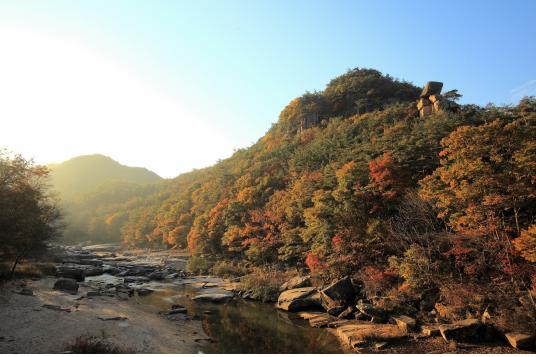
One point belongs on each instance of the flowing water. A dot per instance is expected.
(241, 326)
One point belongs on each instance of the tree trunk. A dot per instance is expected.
(14, 267)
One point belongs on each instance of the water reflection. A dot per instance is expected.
(242, 326)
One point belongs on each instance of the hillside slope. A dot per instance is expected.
(353, 181)
(83, 174)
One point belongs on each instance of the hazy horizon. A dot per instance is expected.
(173, 86)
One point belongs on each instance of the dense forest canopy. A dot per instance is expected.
(351, 181)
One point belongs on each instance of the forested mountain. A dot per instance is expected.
(88, 184)
(84, 174)
(351, 180)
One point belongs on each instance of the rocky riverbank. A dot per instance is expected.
(47, 315)
(104, 292)
(383, 324)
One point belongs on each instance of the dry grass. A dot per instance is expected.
(28, 270)
(263, 284)
(94, 344)
(227, 269)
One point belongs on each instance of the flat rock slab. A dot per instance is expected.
(298, 299)
(56, 308)
(520, 340)
(357, 334)
(307, 315)
(217, 298)
(322, 320)
(464, 330)
(112, 318)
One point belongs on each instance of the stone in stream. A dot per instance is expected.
(338, 296)
(215, 297)
(88, 261)
(521, 341)
(70, 271)
(105, 247)
(157, 275)
(67, 285)
(296, 282)
(298, 299)
(136, 279)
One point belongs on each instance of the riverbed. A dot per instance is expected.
(238, 326)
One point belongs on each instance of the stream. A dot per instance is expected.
(239, 326)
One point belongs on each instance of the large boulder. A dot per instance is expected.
(375, 313)
(299, 299)
(66, 284)
(431, 88)
(296, 282)
(338, 296)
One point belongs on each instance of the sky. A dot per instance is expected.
(176, 85)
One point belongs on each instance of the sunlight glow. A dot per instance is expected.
(61, 98)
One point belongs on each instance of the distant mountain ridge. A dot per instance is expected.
(84, 174)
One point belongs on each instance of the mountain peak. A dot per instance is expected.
(83, 174)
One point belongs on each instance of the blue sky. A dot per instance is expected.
(233, 65)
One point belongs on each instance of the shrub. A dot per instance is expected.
(94, 344)
(198, 265)
(376, 281)
(264, 284)
(526, 244)
(228, 269)
(415, 267)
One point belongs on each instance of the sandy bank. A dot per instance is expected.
(29, 327)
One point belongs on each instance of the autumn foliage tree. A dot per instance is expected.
(484, 187)
(29, 217)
